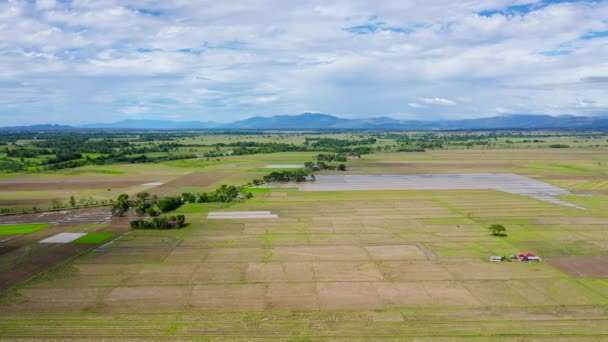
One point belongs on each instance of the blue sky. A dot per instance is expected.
(85, 61)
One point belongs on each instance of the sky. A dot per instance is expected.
(85, 61)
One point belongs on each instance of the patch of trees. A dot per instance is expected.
(162, 222)
(114, 158)
(152, 205)
(337, 144)
(224, 194)
(167, 204)
(8, 165)
(145, 203)
(559, 146)
(252, 147)
(63, 156)
(331, 157)
(318, 166)
(26, 152)
(410, 148)
(121, 206)
(299, 175)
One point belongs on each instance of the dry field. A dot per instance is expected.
(339, 265)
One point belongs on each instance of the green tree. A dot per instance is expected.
(121, 205)
(72, 201)
(169, 204)
(142, 202)
(498, 230)
(181, 221)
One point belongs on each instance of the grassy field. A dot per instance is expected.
(17, 229)
(352, 265)
(94, 238)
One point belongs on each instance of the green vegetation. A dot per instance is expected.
(18, 229)
(94, 238)
(161, 222)
(498, 230)
(298, 175)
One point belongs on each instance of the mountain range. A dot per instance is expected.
(315, 121)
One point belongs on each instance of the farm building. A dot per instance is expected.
(526, 256)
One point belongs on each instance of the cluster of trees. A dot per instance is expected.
(26, 152)
(325, 162)
(224, 194)
(337, 144)
(299, 175)
(331, 157)
(161, 222)
(144, 203)
(317, 166)
(72, 149)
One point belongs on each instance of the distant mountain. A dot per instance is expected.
(531, 121)
(324, 121)
(302, 121)
(152, 124)
(316, 121)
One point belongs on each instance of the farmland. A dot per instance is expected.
(319, 261)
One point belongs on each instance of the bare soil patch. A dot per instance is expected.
(195, 179)
(43, 259)
(26, 202)
(41, 184)
(581, 267)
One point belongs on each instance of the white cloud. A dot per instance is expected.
(134, 110)
(231, 58)
(437, 101)
(587, 103)
(45, 4)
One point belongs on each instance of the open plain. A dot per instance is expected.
(384, 251)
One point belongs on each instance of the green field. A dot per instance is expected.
(94, 238)
(17, 229)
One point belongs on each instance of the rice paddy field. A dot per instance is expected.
(299, 263)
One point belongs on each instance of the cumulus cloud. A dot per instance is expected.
(222, 60)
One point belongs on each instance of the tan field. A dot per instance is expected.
(338, 265)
